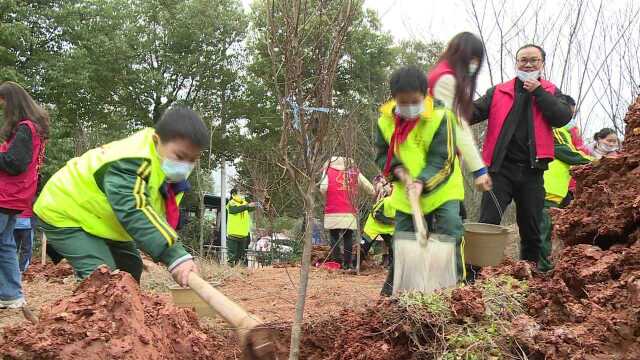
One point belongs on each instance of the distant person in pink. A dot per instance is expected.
(341, 182)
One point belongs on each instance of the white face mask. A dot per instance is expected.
(523, 75)
(175, 170)
(410, 111)
(473, 68)
(607, 148)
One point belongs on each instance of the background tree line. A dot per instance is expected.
(105, 68)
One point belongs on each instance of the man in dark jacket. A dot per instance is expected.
(519, 144)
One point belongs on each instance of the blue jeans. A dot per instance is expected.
(24, 244)
(10, 284)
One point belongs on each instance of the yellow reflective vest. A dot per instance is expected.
(372, 227)
(558, 176)
(413, 155)
(239, 224)
(72, 198)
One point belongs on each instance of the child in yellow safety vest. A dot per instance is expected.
(380, 222)
(556, 184)
(416, 146)
(238, 227)
(103, 206)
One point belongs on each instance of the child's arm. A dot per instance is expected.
(442, 156)
(236, 209)
(445, 91)
(17, 158)
(566, 152)
(125, 184)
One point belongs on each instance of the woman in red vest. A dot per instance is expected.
(452, 83)
(25, 130)
(340, 184)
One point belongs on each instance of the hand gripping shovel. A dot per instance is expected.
(422, 261)
(256, 341)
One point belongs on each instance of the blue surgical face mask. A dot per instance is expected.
(410, 111)
(175, 170)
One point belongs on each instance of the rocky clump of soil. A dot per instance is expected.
(467, 302)
(48, 271)
(606, 209)
(107, 317)
(518, 269)
(588, 309)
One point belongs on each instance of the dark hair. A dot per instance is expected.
(408, 79)
(19, 106)
(568, 99)
(463, 48)
(603, 134)
(182, 123)
(544, 54)
(234, 191)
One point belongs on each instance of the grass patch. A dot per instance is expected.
(436, 333)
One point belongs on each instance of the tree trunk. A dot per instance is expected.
(296, 328)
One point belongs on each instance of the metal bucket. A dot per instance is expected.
(484, 244)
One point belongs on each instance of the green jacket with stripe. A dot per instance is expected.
(115, 192)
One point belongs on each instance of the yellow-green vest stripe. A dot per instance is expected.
(413, 155)
(72, 198)
(558, 176)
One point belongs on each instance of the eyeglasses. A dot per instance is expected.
(534, 61)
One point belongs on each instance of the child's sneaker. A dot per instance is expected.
(13, 304)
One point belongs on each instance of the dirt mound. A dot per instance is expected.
(107, 317)
(374, 332)
(48, 271)
(519, 269)
(589, 308)
(606, 209)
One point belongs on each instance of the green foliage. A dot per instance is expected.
(437, 333)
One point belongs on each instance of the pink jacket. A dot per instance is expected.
(17, 192)
(501, 104)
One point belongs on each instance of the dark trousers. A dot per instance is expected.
(546, 228)
(525, 186)
(346, 236)
(237, 250)
(24, 244)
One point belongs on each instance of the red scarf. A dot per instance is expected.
(399, 136)
(171, 207)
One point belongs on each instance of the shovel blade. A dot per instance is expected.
(423, 268)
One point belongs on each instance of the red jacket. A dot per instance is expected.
(440, 69)
(17, 192)
(501, 104)
(342, 191)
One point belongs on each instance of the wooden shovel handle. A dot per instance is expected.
(418, 218)
(231, 312)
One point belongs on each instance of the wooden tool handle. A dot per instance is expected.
(418, 218)
(231, 312)
(44, 248)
